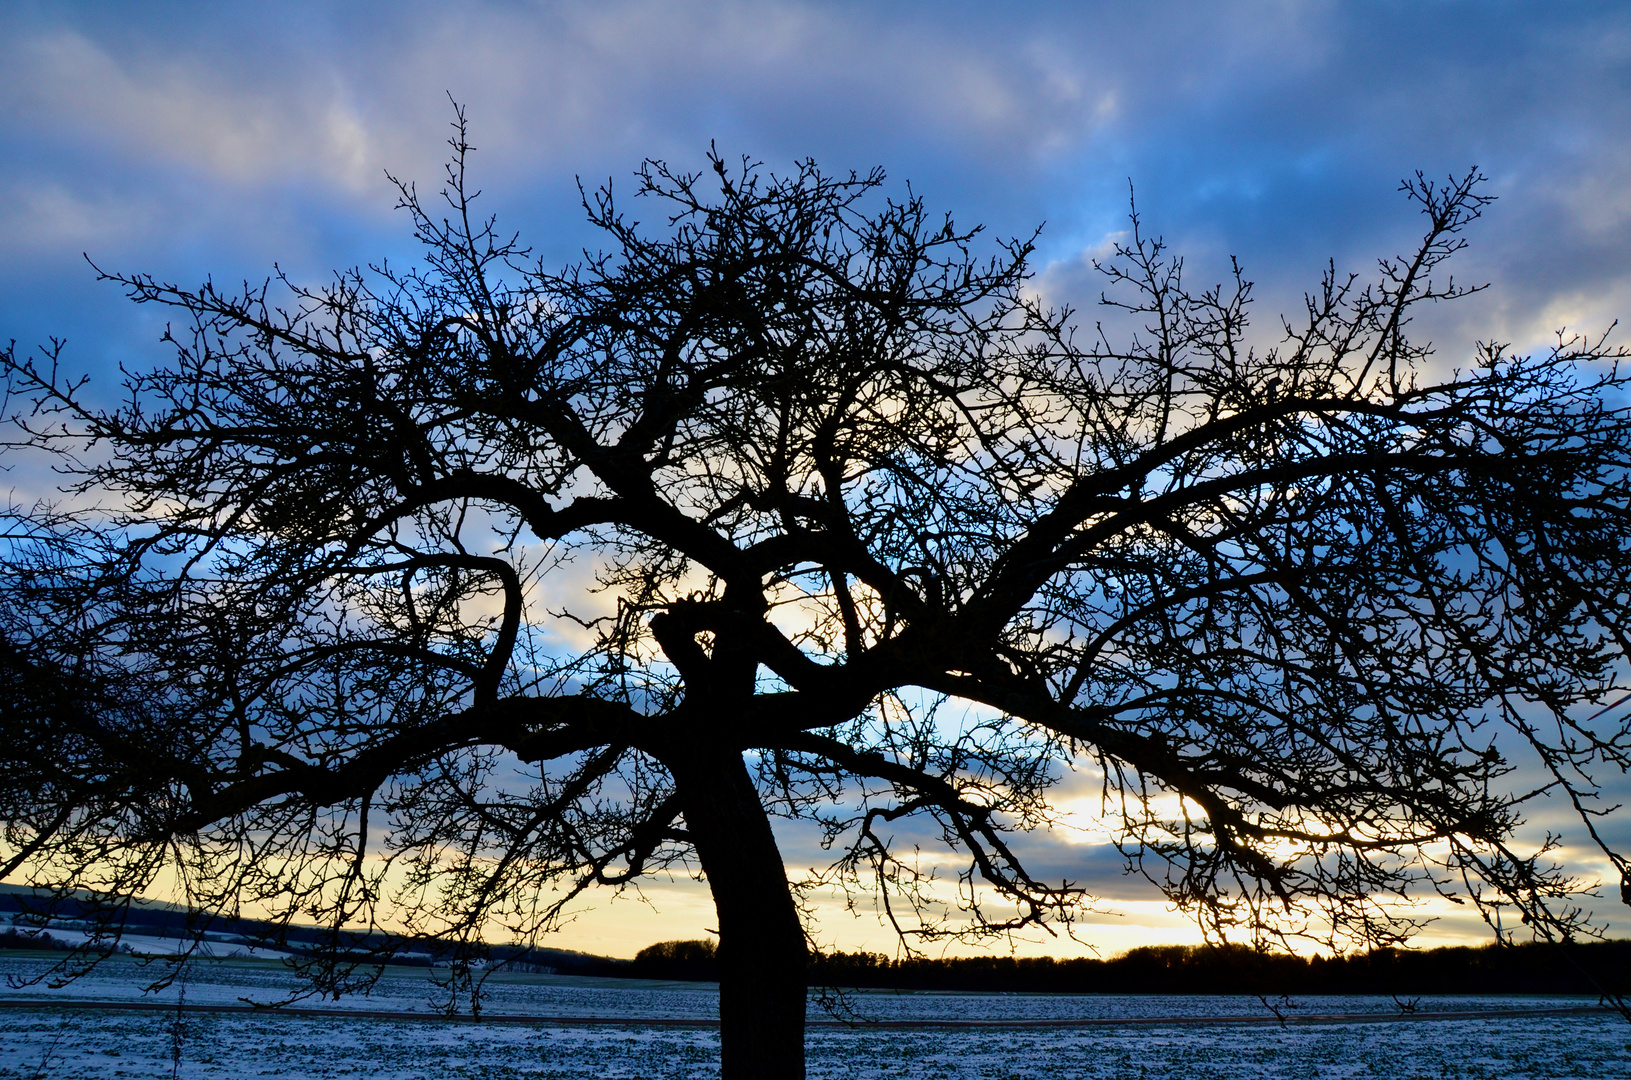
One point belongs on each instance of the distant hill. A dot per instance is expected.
(24, 909)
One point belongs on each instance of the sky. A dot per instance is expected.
(193, 140)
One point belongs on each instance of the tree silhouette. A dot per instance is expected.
(433, 597)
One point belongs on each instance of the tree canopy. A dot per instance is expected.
(437, 595)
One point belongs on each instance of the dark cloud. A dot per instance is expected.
(194, 139)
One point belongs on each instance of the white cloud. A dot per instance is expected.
(51, 217)
(157, 107)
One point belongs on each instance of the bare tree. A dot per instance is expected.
(437, 596)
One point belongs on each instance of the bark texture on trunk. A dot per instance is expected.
(762, 960)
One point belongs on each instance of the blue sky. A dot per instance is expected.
(189, 140)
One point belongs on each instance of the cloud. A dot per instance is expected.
(52, 217)
(151, 106)
(1274, 133)
(549, 86)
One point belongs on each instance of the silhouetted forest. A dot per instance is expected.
(1180, 969)
(690, 960)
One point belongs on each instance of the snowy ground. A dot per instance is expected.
(65, 1041)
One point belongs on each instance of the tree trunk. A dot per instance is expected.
(761, 941)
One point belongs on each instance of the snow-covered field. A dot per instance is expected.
(64, 1041)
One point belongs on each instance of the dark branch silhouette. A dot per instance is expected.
(433, 597)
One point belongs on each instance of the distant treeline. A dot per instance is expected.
(1229, 969)
(1162, 969)
(37, 941)
(691, 961)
